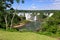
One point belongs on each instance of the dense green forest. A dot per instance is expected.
(54, 20)
(51, 25)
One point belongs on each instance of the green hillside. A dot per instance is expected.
(5, 35)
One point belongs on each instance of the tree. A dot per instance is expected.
(4, 4)
(52, 25)
(14, 13)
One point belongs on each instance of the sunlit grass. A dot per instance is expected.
(5, 35)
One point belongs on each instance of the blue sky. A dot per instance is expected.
(37, 5)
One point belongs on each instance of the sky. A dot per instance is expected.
(37, 5)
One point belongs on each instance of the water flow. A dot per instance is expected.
(33, 25)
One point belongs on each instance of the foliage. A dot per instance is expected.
(17, 20)
(52, 24)
(5, 16)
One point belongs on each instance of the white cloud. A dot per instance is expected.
(32, 7)
(55, 5)
(39, 0)
(57, 0)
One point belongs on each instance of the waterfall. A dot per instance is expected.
(35, 18)
(34, 24)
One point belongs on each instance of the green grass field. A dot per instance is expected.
(5, 35)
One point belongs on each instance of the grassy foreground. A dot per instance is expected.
(5, 35)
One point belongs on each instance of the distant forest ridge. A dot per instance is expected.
(37, 11)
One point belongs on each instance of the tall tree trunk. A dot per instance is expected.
(12, 21)
(6, 22)
(13, 18)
